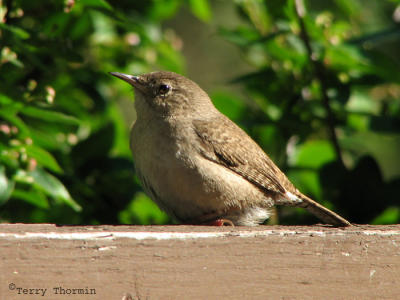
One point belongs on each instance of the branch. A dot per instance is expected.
(9, 4)
(5, 20)
(319, 73)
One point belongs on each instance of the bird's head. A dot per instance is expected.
(168, 94)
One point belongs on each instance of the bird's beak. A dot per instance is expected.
(132, 80)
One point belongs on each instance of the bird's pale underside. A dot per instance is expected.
(198, 165)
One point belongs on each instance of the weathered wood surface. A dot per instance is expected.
(193, 262)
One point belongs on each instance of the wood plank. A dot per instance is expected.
(199, 262)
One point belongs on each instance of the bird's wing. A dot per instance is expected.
(223, 142)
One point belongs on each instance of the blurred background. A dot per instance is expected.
(315, 83)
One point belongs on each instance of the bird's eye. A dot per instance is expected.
(163, 89)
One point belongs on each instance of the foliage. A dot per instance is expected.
(329, 87)
(64, 147)
(324, 102)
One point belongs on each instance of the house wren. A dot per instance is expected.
(199, 166)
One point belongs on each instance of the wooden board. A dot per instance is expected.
(199, 262)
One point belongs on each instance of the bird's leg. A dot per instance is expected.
(219, 222)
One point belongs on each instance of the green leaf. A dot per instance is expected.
(97, 3)
(308, 159)
(7, 55)
(359, 122)
(361, 102)
(349, 7)
(15, 121)
(52, 187)
(390, 215)
(48, 115)
(18, 32)
(347, 58)
(33, 197)
(201, 9)
(306, 181)
(6, 186)
(165, 9)
(142, 211)
(314, 154)
(383, 146)
(43, 158)
(7, 101)
(8, 158)
(229, 104)
(241, 36)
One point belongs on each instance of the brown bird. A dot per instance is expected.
(199, 166)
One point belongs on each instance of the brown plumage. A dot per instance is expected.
(198, 165)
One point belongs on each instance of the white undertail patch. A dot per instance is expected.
(250, 216)
(293, 197)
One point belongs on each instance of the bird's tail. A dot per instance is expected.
(322, 212)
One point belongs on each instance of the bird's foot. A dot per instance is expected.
(219, 222)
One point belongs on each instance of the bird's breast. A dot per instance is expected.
(180, 180)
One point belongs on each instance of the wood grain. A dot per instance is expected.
(200, 262)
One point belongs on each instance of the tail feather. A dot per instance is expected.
(321, 212)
